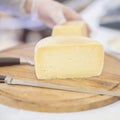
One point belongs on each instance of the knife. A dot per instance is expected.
(8, 61)
(10, 81)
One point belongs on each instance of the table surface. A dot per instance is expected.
(110, 112)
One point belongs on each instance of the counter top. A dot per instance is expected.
(110, 112)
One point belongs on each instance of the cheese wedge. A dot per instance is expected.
(68, 57)
(78, 28)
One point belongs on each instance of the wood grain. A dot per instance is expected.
(49, 100)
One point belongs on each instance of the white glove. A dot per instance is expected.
(51, 12)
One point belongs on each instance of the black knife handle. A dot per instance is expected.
(2, 78)
(8, 61)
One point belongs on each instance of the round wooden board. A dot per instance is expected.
(49, 100)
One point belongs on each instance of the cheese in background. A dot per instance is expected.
(78, 28)
(68, 57)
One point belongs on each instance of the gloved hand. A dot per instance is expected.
(50, 12)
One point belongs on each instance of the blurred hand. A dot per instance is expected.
(51, 12)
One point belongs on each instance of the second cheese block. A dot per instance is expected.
(68, 57)
(78, 28)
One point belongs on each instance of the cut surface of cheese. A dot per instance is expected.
(78, 28)
(68, 57)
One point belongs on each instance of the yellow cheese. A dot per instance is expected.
(68, 57)
(78, 28)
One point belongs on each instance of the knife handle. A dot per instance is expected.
(8, 61)
(2, 78)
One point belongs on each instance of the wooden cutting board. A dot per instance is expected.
(49, 100)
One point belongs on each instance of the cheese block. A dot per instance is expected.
(68, 57)
(78, 28)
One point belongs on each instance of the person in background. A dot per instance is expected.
(48, 11)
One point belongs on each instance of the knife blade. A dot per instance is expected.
(8, 61)
(10, 81)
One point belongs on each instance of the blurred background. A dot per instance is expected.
(103, 17)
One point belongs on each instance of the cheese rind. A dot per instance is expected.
(78, 28)
(68, 57)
